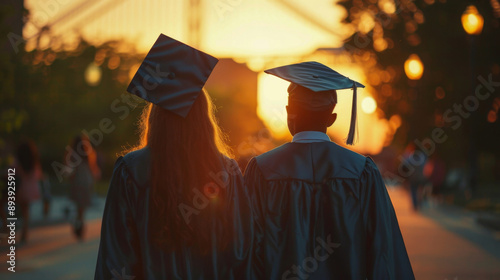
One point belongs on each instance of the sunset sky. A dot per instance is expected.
(261, 33)
(229, 28)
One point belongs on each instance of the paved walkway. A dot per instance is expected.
(63, 210)
(51, 243)
(53, 253)
(442, 244)
(438, 253)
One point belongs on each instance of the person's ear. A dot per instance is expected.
(331, 119)
(290, 121)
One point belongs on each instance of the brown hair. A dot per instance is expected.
(84, 149)
(184, 151)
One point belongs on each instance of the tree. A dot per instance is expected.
(391, 31)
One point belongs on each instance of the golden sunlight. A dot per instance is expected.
(259, 33)
(372, 129)
(388, 6)
(366, 23)
(369, 105)
(272, 99)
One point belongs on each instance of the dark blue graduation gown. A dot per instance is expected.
(323, 212)
(125, 252)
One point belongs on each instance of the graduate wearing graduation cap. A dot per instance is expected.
(176, 206)
(321, 211)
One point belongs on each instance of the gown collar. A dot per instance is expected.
(310, 137)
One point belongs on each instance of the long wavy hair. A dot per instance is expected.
(184, 152)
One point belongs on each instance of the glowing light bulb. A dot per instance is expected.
(472, 21)
(414, 68)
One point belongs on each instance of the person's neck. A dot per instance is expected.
(311, 129)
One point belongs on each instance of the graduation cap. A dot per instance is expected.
(314, 86)
(172, 75)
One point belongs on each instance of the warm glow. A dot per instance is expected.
(249, 30)
(395, 121)
(369, 105)
(93, 74)
(472, 21)
(132, 71)
(114, 62)
(492, 116)
(261, 28)
(373, 130)
(380, 44)
(414, 68)
(440, 93)
(366, 23)
(272, 99)
(388, 6)
(260, 33)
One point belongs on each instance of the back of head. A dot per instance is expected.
(316, 85)
(308, 110)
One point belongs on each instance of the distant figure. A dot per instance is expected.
(176, 208)
(321, 211)
(416, 160)
(457, 178)
(29, 173)
(82, 180)
(435, 171)
(46, 194)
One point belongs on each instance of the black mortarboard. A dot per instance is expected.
(172, 75)
(314, 86)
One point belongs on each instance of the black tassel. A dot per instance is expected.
(352, 128)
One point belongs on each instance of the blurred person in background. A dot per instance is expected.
(415, 161)
(176, 207)
(435, 172)
(456, 180)
(82, 180)
(29, 173)
(45, 187)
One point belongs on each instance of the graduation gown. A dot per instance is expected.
(323, 212)
(125, 252)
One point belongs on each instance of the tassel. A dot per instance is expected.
(352, 128)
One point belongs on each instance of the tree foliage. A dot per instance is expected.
(392, 30)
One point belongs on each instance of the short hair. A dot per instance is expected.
(308, 117)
